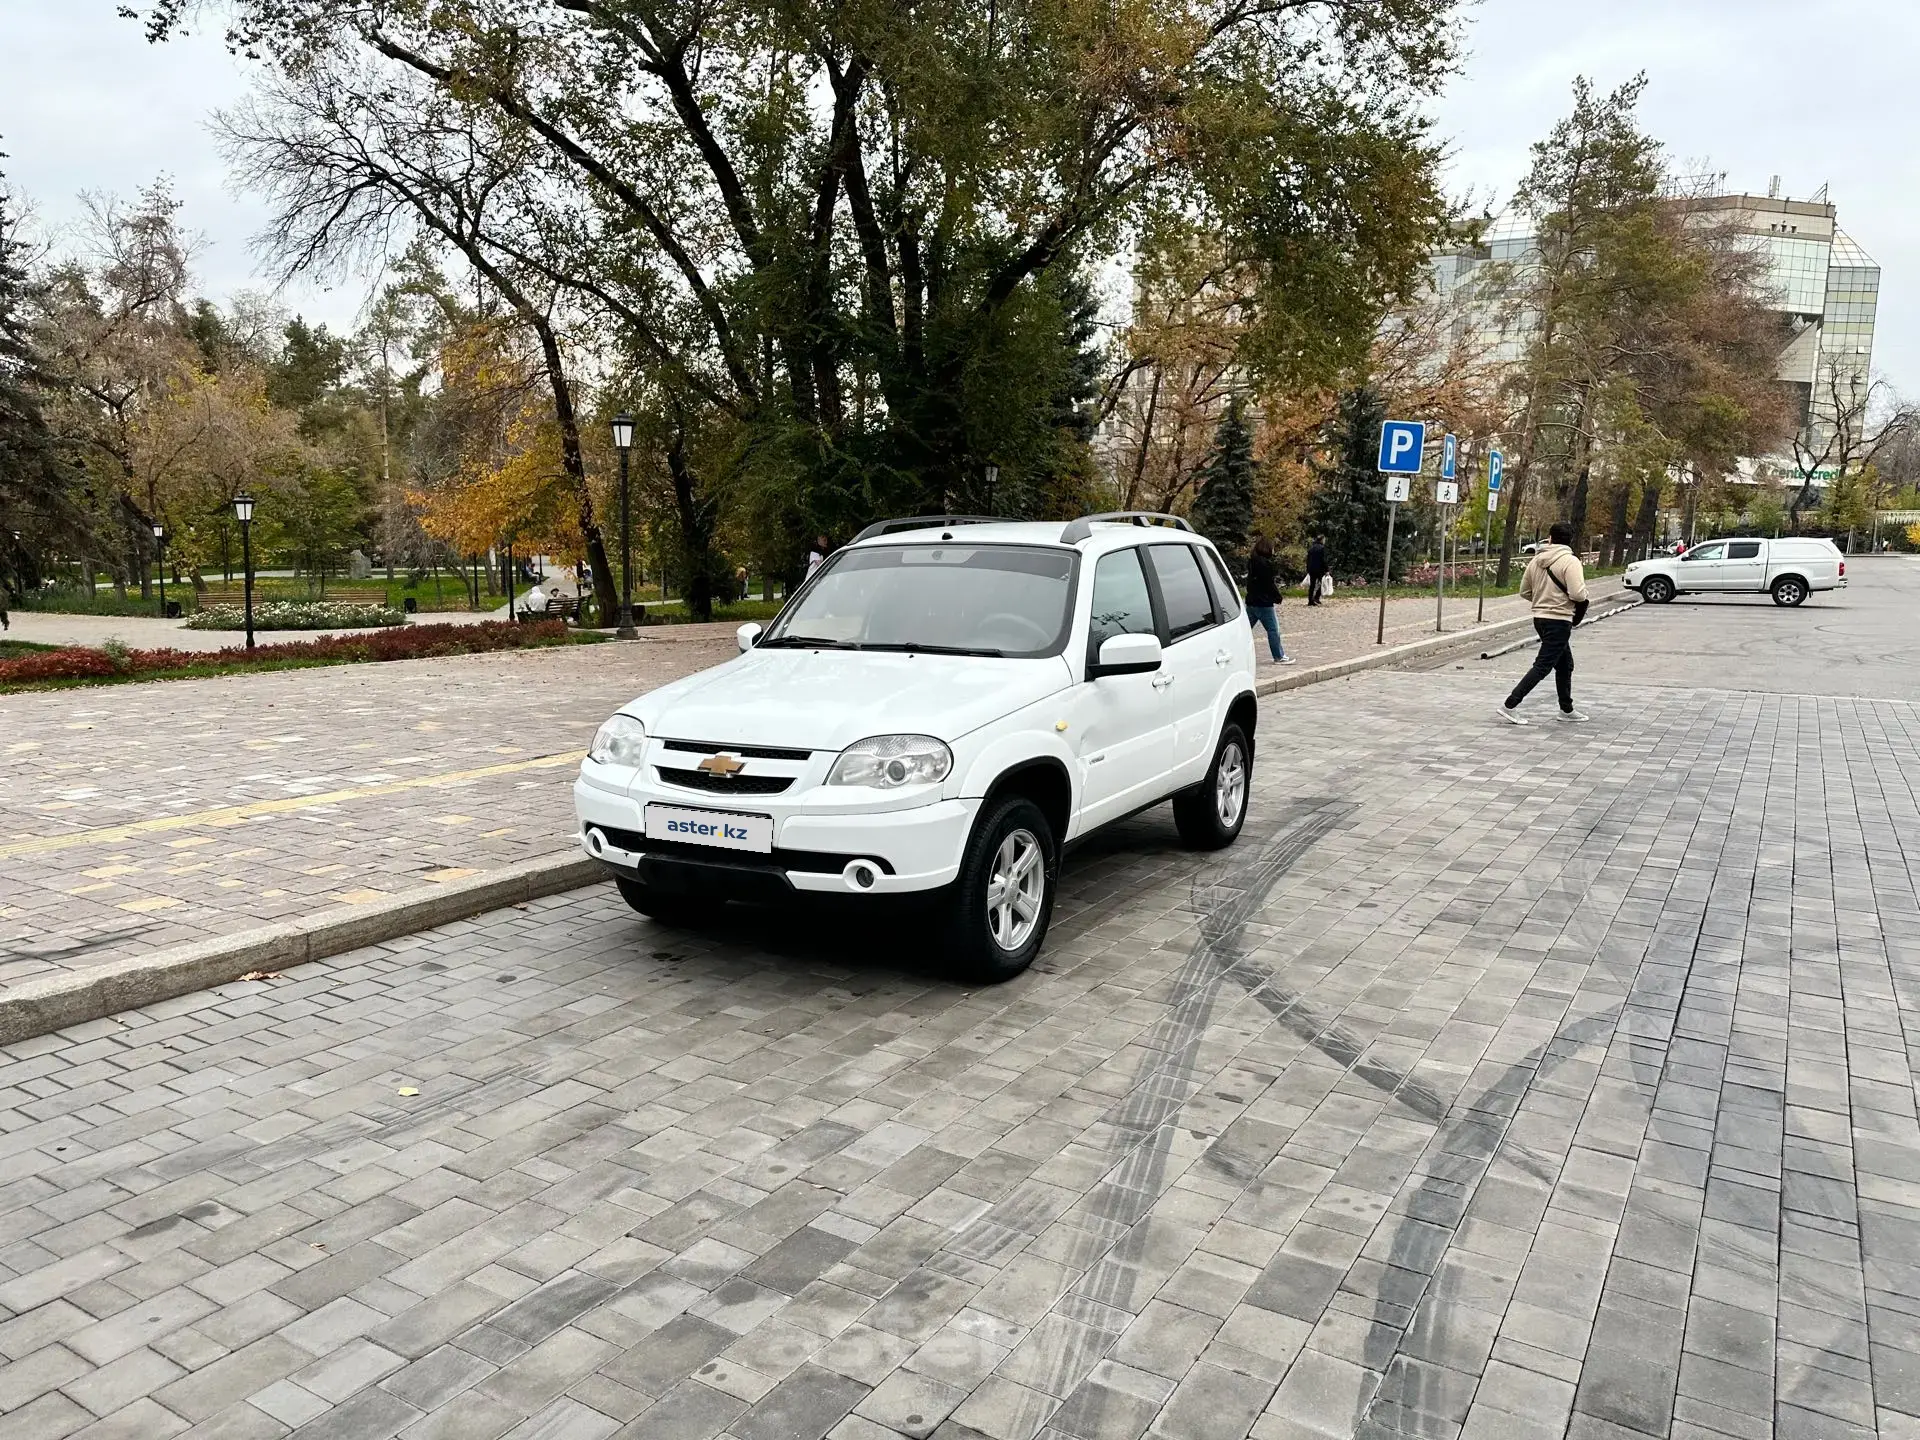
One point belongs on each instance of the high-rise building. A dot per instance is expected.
(1821, 281)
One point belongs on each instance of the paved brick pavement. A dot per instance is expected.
(268, 797)
(1499, 1083)
(219, 804)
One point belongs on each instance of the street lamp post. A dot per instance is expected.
(623, 442)
(243, 512)
(160, 559)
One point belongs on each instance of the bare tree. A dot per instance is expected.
(1851, 418)
(355, 165)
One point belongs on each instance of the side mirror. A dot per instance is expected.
(1126, 655)
(748, 635)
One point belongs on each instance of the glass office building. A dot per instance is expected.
(1822, 282)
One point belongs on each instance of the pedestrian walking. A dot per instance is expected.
(821, 549)
(1316, 569)
(1263, 595)
(1555, 585)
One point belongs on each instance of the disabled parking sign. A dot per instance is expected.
(1402, 445)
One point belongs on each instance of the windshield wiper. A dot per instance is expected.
(806, 642)
(908, 647)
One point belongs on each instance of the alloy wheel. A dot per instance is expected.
(1016, 889)
(1230, 786)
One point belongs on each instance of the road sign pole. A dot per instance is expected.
(1486, 545)
(1440, 577)
(1386, 572)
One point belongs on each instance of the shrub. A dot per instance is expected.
(297, 615)
(410, 642)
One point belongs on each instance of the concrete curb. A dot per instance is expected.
(40, 1006)
(1391, 655)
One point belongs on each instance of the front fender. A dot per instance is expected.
(1010, 751)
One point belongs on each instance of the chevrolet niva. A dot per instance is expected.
(943, 707)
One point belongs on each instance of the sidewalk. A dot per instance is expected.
(136, 817)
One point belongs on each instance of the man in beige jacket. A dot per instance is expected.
(1556, 585)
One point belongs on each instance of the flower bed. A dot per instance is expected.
(297, 615)
(411, 642)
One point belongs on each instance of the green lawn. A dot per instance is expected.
(14, 649)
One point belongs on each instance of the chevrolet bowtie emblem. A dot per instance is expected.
(721, 765)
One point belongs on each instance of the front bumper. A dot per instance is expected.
(914, 849)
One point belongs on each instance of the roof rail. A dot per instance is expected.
(1080, 529)
(922, 522)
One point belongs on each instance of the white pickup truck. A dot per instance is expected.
(1789, 570)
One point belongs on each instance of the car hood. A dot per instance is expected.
(827, 699)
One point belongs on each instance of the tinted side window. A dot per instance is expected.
(1121, 604)
(1226, 595)
(1743, 550)
(1707, 552)
(1182, 589)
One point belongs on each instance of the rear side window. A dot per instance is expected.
(1122, 604)
(1743, 550)
(1182, 588)
(1226, 595)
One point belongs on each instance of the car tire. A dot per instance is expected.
(1209, 815)
(674, 910)
(1790, 590)
(1012, 845)
(1657, 590)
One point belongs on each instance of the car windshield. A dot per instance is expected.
(1010, 600)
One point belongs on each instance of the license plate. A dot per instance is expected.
(710, 827)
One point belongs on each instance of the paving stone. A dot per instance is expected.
(1451, 1100)
(669, 1355)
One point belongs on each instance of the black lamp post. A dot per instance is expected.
(243, 512)
(623, 442)
(160, 559)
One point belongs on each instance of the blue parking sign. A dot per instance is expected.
(1402, 443)
(1496, 470)
(1449, 453)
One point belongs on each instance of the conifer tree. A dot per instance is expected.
(1349, 505)
(1223, 509)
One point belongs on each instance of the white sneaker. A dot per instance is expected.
(1286, 660)
(1572, 715)
(1512, 717)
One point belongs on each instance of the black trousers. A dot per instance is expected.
(1556, 656)
(1313, 588)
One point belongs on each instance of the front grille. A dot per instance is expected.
(745, 752)
(725, 784)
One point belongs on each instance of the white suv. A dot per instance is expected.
(945, 705)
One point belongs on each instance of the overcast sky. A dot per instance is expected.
(1810, 90)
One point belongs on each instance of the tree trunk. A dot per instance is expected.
(1577, 510)
(1649, 517)
(575, 465)
(1617, 532)
(696, 532)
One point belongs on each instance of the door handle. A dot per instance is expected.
(1221, 657)
(1160, 682)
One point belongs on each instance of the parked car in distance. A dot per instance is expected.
(943, 707)
(1788, 569)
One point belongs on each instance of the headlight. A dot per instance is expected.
(887, 762)
(621, 741)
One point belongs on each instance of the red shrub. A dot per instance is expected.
(402, 642)
(77, 663)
